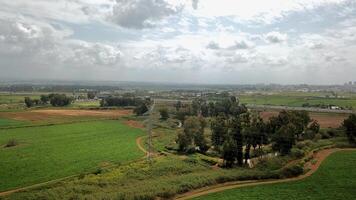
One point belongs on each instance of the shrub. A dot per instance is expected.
(297, 153)
(317, 137)
(292, 171)
(11, 143)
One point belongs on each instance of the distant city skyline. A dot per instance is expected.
(179, 41)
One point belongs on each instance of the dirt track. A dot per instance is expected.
(320, 157)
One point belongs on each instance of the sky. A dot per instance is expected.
(179, 41)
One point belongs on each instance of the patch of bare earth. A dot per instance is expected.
(40, 115)
(326, 120)
(134, 124)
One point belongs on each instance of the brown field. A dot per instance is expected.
(48, 115)
(326, 120)
(134, 124)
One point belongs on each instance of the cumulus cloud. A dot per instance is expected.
(195, 4)
(139, 14)
(35, 42)
(275, 37)
(213, 45)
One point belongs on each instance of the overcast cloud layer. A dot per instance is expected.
(191, 41)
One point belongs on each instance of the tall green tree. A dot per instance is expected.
(229, 152)
(236, 132)
(350, 127)
(219, 130)
(284, 139)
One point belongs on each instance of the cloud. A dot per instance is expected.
(34, 42)
(195, 4)
(213, 45)
(275, 37)
(140, 14)
(241, 44)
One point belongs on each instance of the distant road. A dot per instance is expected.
(254, 106)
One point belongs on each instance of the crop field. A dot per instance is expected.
(297, 100)
(51, 152)
(56, 116)
(335, 179)
(326, 120)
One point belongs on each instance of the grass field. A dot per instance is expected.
(50, 152)
(296, 100)
(11, 123)
(335, 179)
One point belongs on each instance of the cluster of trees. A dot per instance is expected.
(56, 100)
(350, 128)
(236, 131)
(121, 101)
(191, 138)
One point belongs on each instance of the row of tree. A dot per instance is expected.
(121, 101)
(56, 100)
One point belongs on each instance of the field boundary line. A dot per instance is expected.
(320, 156)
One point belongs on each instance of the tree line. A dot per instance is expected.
(141, 105)
(57, 100)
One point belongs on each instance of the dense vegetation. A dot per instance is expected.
(233, 127)
(334, 180)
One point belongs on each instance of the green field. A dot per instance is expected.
(51, 152)
(11, 123)
(296, 100)
(335, 179)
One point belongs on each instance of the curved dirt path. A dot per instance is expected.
(319, 156)
(140, 146)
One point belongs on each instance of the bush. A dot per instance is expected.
(292, 171)
(11, 143)
(318, 136)
(297, 153)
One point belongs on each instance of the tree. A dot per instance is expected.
(236, 132)
(284, 139)
(44, 99)
(178, 105)
(229, 151)
(164, 113)
(91, 95)
(193, 134)
(141, 109)
(58, 100)
(183, 141)
(28, 102)
(219, 130)
(350, 127)
(314, 126)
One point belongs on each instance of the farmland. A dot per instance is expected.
(297, 99)
(335, 179)
(50, 152)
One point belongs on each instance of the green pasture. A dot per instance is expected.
(296, 100)
(11, 123)
(50, 152)
(334, 180)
